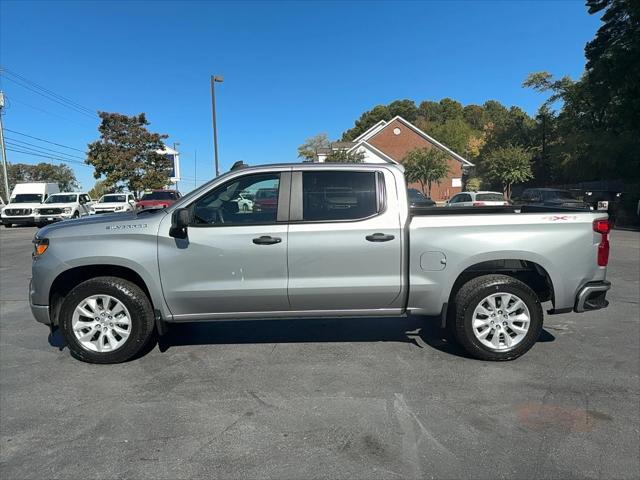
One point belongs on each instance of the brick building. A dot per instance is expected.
(389, 142)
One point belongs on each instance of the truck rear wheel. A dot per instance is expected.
(496, 317)
(106, 320)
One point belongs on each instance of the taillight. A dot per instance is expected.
(602, 227)
(478, 204)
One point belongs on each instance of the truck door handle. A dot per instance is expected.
(266, 240)
(379, 237)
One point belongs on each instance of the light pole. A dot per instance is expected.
(176, 166)
(214, 79)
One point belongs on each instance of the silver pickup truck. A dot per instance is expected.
(320, 240)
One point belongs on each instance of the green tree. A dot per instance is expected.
(309, 148)
(405, 108)
(473, 184)
(127, 153)
(508, 165)
(100, 188)
(61, 174)
(425, 166)
(344, 156)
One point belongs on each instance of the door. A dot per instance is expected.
(85, 204)
(344, 240)
(233, 259)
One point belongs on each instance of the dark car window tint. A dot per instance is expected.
(490, 197)
(329, 196)
(229, 204)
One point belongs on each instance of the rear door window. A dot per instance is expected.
(339, 195)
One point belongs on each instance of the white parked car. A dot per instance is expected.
(25, 199)
(245, 202)
(62, 206)
(477, 199)
(114, 202)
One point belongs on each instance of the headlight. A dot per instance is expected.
(68, 210)
(40, 246)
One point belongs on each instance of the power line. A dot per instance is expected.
(52, 99)
(43, 140)
(46, 90)
(48, 156)
(22, 144)
(77, 121)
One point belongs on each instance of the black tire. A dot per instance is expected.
(471, 294)
(76, 215)
(136, 301)
(8, 225)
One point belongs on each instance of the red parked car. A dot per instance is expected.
(157, 199)
(266, 200)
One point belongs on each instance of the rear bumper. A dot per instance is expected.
(592, 296)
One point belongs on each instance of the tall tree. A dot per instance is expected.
(127, 153)
(42, 172)
(99, 189)
(426, 166)
(309, 148)
(508, 165)
(344, 156)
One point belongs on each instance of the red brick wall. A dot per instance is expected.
(397, 146)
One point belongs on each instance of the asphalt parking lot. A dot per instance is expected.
(353, 399)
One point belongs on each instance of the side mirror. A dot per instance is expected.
(180, 219)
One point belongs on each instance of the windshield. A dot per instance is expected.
(490, 197)
(27, 198)
(113, 199)
(68, 198)
(159, 196)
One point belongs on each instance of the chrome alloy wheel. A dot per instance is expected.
(501, 321)
(101, 323)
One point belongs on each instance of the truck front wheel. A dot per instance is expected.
(106, 320)
(496, 317)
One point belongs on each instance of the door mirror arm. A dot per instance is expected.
(180, 219)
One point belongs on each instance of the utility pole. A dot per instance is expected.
(3, 150)
(214, 79)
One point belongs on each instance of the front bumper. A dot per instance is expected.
(39, 312)
(30, 220)
(44, 219)
(592, 296)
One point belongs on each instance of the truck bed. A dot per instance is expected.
(499, 209)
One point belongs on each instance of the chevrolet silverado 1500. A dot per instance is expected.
(337, 241)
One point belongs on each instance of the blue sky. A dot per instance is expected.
(291, 69)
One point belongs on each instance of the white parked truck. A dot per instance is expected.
(25, 199)
(63, 206)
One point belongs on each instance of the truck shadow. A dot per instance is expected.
(422, 332)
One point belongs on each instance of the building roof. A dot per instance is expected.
(383, 123)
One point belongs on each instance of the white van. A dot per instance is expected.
(25, 198)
